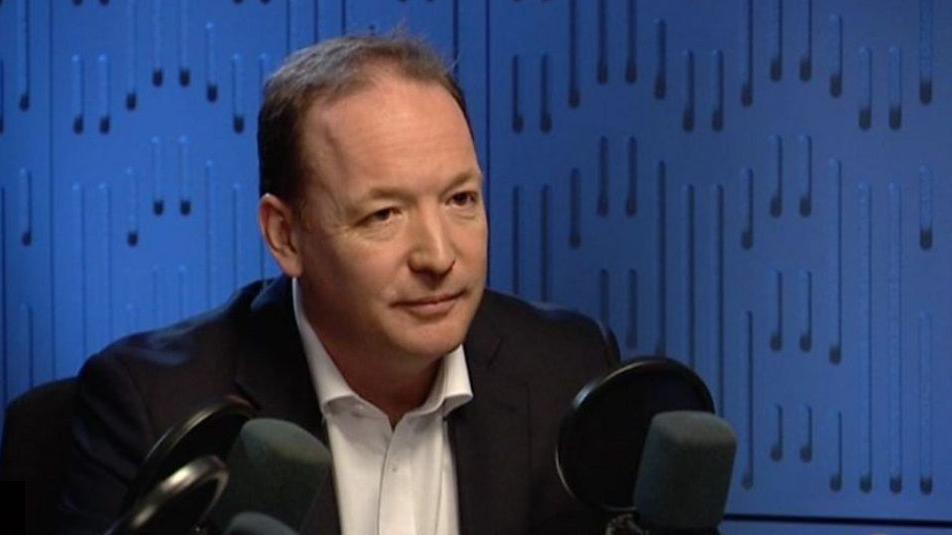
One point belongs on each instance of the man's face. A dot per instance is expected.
(393, 232)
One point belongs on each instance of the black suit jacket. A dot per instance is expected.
(525, 365)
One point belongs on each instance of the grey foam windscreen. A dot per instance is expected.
(277, 469)
(685, 471)
(252, 523)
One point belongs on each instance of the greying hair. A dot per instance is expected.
(322, 73)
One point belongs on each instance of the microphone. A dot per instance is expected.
(209, 431)
(277, 469)
(178, 503)
(685, 473)
(251, 523)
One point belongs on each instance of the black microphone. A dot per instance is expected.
(178, 503)
(208, 431)
(685, 473)
(251, 523)
(277, 469)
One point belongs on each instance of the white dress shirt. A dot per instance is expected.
(389, 481)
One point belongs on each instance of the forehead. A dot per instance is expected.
(389, 127)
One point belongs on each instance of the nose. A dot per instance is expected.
(432, 252)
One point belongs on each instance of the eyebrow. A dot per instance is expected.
(377, 192)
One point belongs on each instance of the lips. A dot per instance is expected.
(431, 306)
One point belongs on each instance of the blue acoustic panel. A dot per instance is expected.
(757, 188)
(26, 300)
(153, 124)
(752, 188)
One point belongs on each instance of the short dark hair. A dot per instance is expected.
(326, 71)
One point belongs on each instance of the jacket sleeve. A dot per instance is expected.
(111, 436)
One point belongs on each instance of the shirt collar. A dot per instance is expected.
(451, 388)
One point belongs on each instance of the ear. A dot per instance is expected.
(277, 222)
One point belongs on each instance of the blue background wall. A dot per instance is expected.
(755, 187)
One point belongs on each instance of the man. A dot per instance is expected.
(440, 400)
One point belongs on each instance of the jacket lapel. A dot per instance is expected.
(490, 438)
(273, 373)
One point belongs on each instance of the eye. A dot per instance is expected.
(380, 216)
(464, 198)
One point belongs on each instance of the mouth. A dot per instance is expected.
(431, 306)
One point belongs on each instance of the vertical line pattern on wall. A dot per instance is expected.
(181, 290)
(717, 90)
(746, 62)
(690, 303)
(631, 59)
(864, 340)
(455, 37)
(926, 13)
(575, 96)
(184, 68)
(806, 449)
(158, 306)
(235, 241)
(661, 230)
(835, 174)
(77, 86)
(661, 59)
(78, 256)
(925, 208)
(132, 208)
(102, 92)
(516, 228)
(544, 254)
(835, 52)
(516, 108)
(631, 197)
(776, 169)
(3, 98)
(602, 63)
(776, 335)
(747, 480)
(776, 449)
(343, 17)
(237, 93)
(131, 53)
(104, 254)
(575, 209)
(894, 330)
(212, 238)
(4, 350)
(211, 76)
(156, 20)
(806, 47)
(185, 188)
(631, 333)
(292, 38)
(687, 115)
(717, 283)
(747, 205)
(604, 177)
(23, 54)
(545, 116)
(25, 347)
(895, 88)
(158, 195)
(806, 310)
(806, 175)
(865, 88)
(775, 40)
(25, 206)
(604, 297)
(925, 403)
(836, 477)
